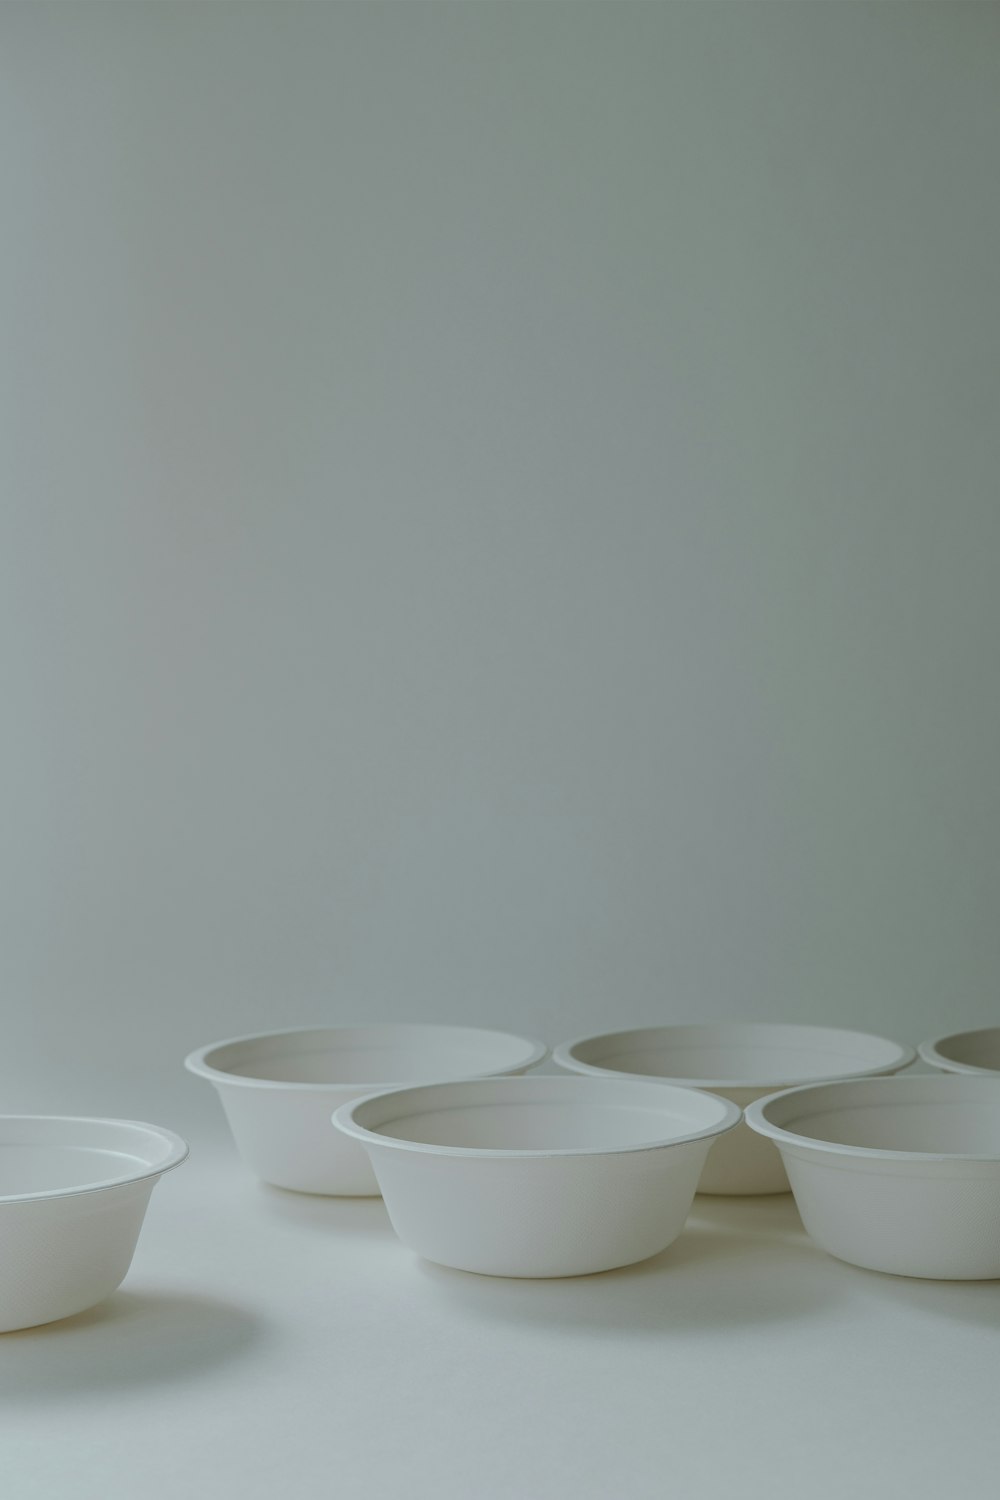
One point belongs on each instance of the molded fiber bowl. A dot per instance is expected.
(965, 1051)
(895, 1174)
(73, 1195)
(741, 1061)
(278, 1089)
(542, 1176)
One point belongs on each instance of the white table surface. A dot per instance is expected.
(266, 1344)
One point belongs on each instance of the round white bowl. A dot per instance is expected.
(73, 1194)
(278, 1089)
(542, 1176)
(965, 1051)
(742, 1062)
(895, 1174)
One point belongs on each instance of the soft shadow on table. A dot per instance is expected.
(365, 1218)
(738, 1262)
(976, 1302)
(131, 1341)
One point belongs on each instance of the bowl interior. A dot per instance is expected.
(28, 1169)
(949, 1115)
(948, 1128)
(974, 1049)
(739, 1055)
(371, 1056)
(51, 1155)
(530, 1127)
(542, 1114)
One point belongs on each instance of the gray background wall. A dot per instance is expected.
(500, 523)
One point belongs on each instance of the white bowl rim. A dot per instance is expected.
(179, 1150)
(755, 1116)
(343, 1119)
(930, 1053)
(562, 1054)
(196, 1063)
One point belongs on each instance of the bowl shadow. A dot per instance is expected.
(132, 1340)
(737, 1263)
(365, 1218)
(975, 1302)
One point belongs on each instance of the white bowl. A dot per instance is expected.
(542, 1176)
(742, 1062)
(895, 1174)
(965, 1051)
(278, 1089)
(73, 1194)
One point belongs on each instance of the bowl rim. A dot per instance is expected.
(179, 1150)
(755, 1116)
(343, 1119)
(562, 1055)
(196, 1063)
(929, 1052)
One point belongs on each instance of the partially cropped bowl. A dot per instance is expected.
(541, 1176)
(742, 1062)
(73, 1195)
(965, 1052)
(895, 1174)
(278, 1089)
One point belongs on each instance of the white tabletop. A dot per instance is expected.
(267, 1343)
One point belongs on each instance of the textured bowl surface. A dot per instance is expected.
(895, 1174)
(742, 1061)
(73, 1193)
(278, 1089)
(538, 1176)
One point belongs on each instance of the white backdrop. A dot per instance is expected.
(500, 523)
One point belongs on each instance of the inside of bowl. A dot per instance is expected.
(28, 1169)
(977, 1049)
(740, 1053)
(536, 1127)
(53, 1154)
(371, 1055)
(947, 1127)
